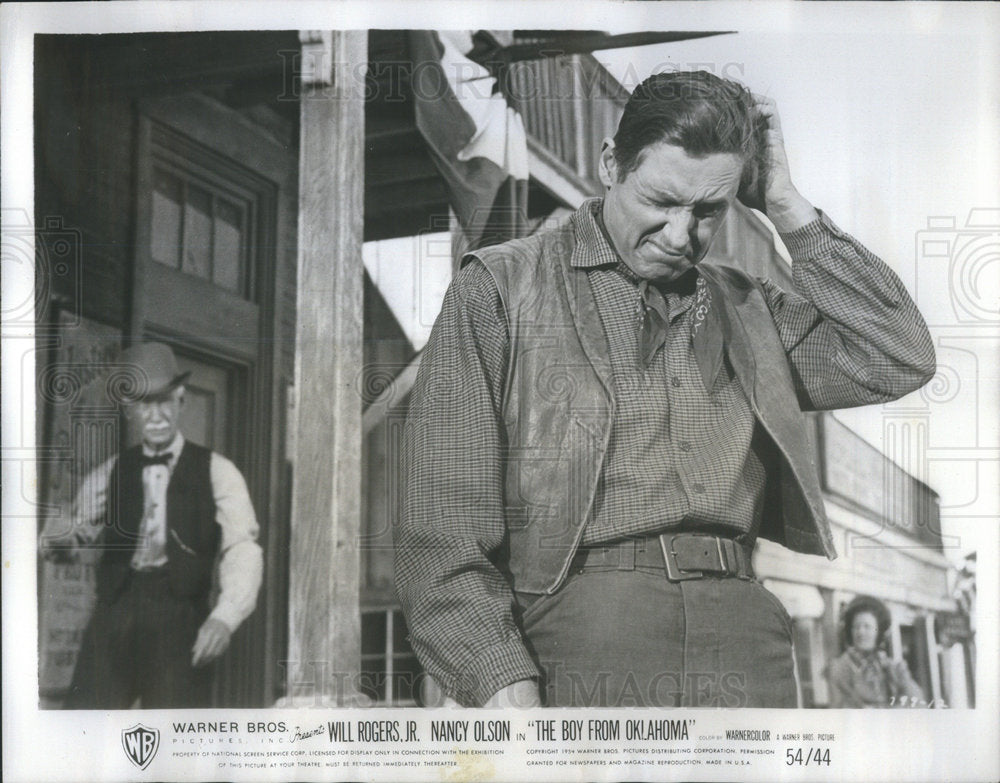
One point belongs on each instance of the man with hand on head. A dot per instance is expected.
(162, 514)
(602, 426)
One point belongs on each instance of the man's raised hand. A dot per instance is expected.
(770, 189)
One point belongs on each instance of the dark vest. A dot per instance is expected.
(559, 404)
(192, 532)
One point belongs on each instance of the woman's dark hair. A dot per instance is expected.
(694, 110)
(874, 607)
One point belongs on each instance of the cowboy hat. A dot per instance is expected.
(156, 367)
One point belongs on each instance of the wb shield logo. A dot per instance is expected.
(140, 744)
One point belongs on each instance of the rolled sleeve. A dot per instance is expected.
(241, 564)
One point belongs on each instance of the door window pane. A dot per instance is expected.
(165, 239)
(227, 260)
(197, 233)
(204, 219)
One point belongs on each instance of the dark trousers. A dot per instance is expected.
(139, 646)
(632, 638)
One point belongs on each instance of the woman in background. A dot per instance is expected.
(864, 675)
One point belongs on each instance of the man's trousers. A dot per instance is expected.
(621, 638)
(139, 647)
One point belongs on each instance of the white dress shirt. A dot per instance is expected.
(241, 563)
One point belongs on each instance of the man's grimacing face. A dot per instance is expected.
(663, 215)
(159, 417)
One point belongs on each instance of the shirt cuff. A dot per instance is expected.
(809, 240)
(228, 615)
(499, 667)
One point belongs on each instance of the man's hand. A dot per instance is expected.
(212, 641)
(772, 191)
(522, 694)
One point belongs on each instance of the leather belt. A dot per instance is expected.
(681, 556)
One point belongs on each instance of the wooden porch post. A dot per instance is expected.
(324, 647)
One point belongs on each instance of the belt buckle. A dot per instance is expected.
(674, 572)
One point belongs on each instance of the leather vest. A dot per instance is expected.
(559, 405)
(192, 533)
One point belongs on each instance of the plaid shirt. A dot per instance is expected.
(679, 455)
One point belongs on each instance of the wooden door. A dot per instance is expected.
(213, 199)
(206, 414)
(215, 398)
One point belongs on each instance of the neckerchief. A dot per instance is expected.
(710, 328)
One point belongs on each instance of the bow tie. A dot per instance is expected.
(157, 459)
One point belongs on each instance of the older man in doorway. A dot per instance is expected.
(164, 514)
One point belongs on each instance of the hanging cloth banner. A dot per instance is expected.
(475, 137)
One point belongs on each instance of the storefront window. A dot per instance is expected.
(390, 673)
